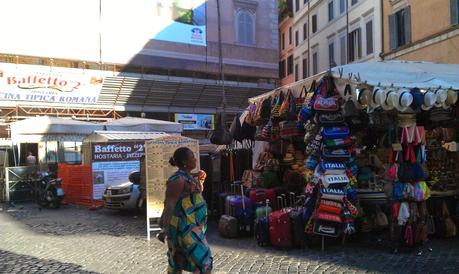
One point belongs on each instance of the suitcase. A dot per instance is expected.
(258, 195)
(280, 227)
(298, 223)
(228, 226)
(243, 214)
(262, 226)
(261, 208)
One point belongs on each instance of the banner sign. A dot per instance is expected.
(195, 121)
(51, 85)
(180, 21)
(112, 162)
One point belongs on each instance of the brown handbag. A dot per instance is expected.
(450, 226)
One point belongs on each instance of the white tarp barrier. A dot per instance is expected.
(52, 125)
(144, 125)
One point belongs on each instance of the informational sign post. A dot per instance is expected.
(112, 162)
(158, 170)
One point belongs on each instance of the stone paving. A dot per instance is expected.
(76, 240)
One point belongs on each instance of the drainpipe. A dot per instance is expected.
(381, 54)
(309, 35)
(347, 32)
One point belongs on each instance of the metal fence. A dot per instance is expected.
(18, 182)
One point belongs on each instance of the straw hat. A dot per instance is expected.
(403, 100)
(387, 103)
(451, 97)
(377, 97)
(442, 95)
(406, 120)
(363, 95)
(429, 100)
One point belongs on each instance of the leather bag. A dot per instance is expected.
(220, 135)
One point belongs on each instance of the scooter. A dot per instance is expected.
(48, 191)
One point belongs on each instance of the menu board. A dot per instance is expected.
(158, 152)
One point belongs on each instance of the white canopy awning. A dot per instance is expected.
(142, 124)
(106, 136)
(400, 74)
(52, 125)
(404, 74)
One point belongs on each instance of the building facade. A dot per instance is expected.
(335, 32)
(143, 70)
(286, 43)
(422, 30)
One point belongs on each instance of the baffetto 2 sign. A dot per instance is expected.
(49, 84)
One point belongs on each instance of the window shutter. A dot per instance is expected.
(407, 20)
(359, 46)
(393, 31)
(454, 12)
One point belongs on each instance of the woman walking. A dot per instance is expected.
(184, 218)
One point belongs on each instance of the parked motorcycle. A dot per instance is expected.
(48, 191)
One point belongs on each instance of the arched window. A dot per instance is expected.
(245, 28)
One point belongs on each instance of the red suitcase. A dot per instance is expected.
(280, 233)
(258, 195)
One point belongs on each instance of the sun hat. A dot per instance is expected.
(377, 97)
(403, 100)
(387, 104)
(363, 97)
(442, 95)
(418, 99)
(429, 100)
(451, 97)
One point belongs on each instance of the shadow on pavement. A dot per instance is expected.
(16, 263)
(72, 220)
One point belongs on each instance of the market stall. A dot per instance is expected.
(368, 150)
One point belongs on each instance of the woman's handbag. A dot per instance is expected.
(220, 135)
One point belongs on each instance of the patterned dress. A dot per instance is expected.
(188, 248)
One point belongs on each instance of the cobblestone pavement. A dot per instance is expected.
(77, 240)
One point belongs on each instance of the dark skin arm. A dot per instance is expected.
(173, 191)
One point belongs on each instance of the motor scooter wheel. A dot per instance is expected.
(52, 199)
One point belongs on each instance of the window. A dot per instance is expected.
(296, 72)
(342, 46)
(245, 28)
(305, 31)
(305, 68)
(314, 23)
(331, 54)
(353, 2)
(369, 34)
(400, 28)
(297, 38)
(342, 6)
(282, 69)
(315, 63)
(330, 11)
(290, 65)
(297, 5)
(290, 35)
(355, 42)
(454, 12)
(283, 40)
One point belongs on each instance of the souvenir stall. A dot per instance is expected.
(367, 150)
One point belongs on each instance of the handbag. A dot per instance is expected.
(288, 129)
(332, 168)
(263, 112)
(336, 154)
(338, 143)
(334, 194)
(450, 226)
(250, 177)
(220, 135)
(326, 104)
(335, 132)
(381, 218)
(235, 129)
(299, 101)
(335, 181)
(331, 119)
